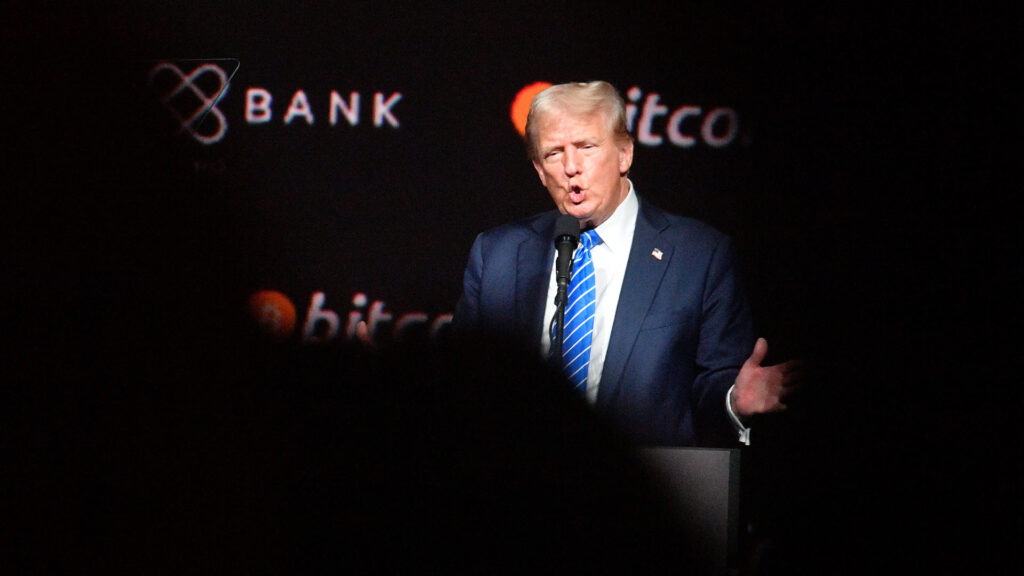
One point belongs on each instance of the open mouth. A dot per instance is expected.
(576, 194)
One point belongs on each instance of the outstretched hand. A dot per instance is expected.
(762, 389)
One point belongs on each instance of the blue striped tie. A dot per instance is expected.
(579, 313)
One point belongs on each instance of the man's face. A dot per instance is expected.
(582, 165)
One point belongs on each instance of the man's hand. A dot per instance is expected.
(761, 389)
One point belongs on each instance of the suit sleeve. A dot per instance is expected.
(467, 312)
(725, 342)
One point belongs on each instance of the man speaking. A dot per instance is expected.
(652, 326)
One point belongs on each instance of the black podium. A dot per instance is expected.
(703, 486)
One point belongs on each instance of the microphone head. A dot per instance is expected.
(566, 225)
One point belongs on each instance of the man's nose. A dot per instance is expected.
(573, 162)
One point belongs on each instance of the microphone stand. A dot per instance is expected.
(561, 297)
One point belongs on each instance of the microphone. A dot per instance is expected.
(567, 236)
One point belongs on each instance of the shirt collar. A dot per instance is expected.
(617, 230)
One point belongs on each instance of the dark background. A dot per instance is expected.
(869, 194)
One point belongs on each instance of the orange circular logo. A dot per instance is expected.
(273, 312)
(521, 105)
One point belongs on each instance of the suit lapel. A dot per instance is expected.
(534, 261)
(644, 273)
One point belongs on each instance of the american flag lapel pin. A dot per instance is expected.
(657, 253)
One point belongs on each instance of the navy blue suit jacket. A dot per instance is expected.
(681, 331)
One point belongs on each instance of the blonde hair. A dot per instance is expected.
(583, 98)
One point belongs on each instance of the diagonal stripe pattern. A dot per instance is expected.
(579, 313)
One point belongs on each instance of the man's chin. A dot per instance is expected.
(578, 211)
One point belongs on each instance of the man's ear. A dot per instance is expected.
(540, 172)
(625, 157)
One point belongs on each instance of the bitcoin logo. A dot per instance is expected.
(521, 105)
(273, 312)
